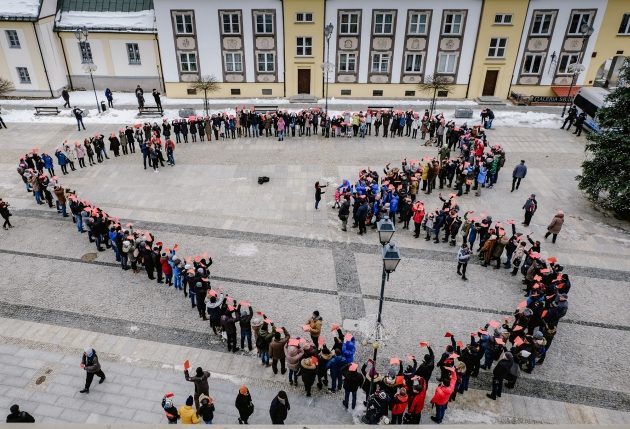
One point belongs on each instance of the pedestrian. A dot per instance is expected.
(571, 116)
(187, 414)
(18, 416)
(318, 193)
(110, 98)
(200, 379)
(66, 97)
(78, 114)
(170, 411)
(279, 408)
(530, 207)
(244, 405)
(555, 226)
(2, 124)
(92, 367)
(6, 214)
(442, 395)
(156, 97)
(352, 380)
(579, 124)
(501, 372)
(140, 97)
(463, 255)
(519, 173)
(206, 410)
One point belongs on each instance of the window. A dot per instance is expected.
(532, 64)
(264, 23)
(418, 23)
(410, 93)
(188, 62)
(304, 46)
(346, 92)
(497, 47)
(380, 63)
(565, 61)
(184, 23)
(383, 23)
(577, 21)
(23, 75)
(542, 23)
(304, 17)
(133, 53)
(413, 63)
(266, 62)
(377, 93)
(624, 27)
(191, 91)
(86, 52)
(503, 18)
(235, 91)
(349, 23)
(231, 23)
(447, 63)
(347, 62)
(233, 62)
(453, 23)
(12, 37)
(267, 91)
(442, 93)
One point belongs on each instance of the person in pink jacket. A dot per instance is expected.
(80, 154)
(280, 129)
(442, 394)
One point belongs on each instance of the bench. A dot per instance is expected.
(149, 111)
(46, 110)
(520, 99)
(266, 109)
(383, 108)
(463, 112)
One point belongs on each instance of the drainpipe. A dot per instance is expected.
(52, 95)
(483, 3)
(519, 48)
(161, 69)
(284, 54)
(65, 60)
(325, 82)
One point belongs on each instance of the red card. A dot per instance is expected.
(517, 328)
(552, 259)
(448, 335)
(347, 337)
(460, 344)
(306, 328)
(522, 304)
(424, 344)
(321, 341)
(494, 323)
(268, 321)
(499, 341)
(518, 341)
(545, 271)
(537, 278)
(394, 361)
(244, 304)
(294, 342)
(186, 364)
(453, 356)
(334, 327)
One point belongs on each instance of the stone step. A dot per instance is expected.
(491, 101)
(303, 98)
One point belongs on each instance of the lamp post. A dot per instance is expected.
(89, 67)
(391, 258)
(577, 67)
(328, 31)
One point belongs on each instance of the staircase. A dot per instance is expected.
(303, 99)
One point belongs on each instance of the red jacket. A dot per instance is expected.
(417, 403)
(166, 268)
(400, 404)
(443, 393)
(418, 215)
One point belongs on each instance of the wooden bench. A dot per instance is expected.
(149, 111)
(383, 108)
(266, 109)
(47, 110)
(463, 112)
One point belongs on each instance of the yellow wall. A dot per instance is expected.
(27, 56)
(253, 90)
(364, 90)
(487, 30)
(292, 30)
(608, 42)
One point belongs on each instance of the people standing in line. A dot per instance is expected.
(279, 409)
(18, 416)
(78, 114)
(200, 380)
(499, 374)
(92, 367)
(519, 173)
(5, 213)
(318, 193)
(315, 325)
(463, 255)
(140, 97)
(206, 410)
(110, 98)
(571, 116)
(244, 405)
(555, 226)
(187, 414)
(352, 380)
(66, 97)
(277, 352)
(443, 394)
(156, 97)
(530, 207)
(344, 213)
(170, 411)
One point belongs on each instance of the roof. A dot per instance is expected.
(105, 5)
(133, 22)
(19, 10)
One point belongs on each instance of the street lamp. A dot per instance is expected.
(89, 67)
(328, 31)
(577, 67)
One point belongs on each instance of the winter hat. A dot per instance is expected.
(243, 390)
(189, 400)
(89, 351)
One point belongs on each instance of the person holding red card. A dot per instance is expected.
(92, 367)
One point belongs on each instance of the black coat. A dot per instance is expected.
(278, 411)
(244, 405)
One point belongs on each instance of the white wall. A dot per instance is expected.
(73, 55)
(21, 57)
(53, 55)
(470, 32)
(148, 60)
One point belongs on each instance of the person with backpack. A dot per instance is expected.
(170, 411)
(530, 207)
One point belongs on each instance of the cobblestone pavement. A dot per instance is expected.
(271, 248)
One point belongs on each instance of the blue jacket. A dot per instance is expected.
(393, 205)
(481, 177)
(61, 158)
(48, 161)
(335, 365)
(348, 349)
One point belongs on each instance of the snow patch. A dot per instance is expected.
(244, 249)
(410, 103)
(142, 20)
(455, 415)
(133, 328)
(19, 8)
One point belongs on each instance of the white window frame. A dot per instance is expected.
(133, 53)
(304, 46)
(85, 50)
(577, 31)
(23, 75)
(233, 24)
(267, 23)
(13, 39)
(563, 64)
(624, 19)
(383, 27)
(414, 60)
(187, 22)
(185, 59)
(233, 62)
(415, 27)
(347, 62)
(541, 65)
(305, 17)
(542, 16)
(503, 19)
(455, 27)
(497, 48)
(446, 59)
(346, 28)
(268, 63)
(382, 62)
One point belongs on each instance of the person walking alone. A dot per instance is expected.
(244, 405)
(463, 255)
(18, 416)
(279, 408)
(78, 114)
(555, 226)
(66, 97)
(318, 193)
(92, 367)
(519, 173)
(530, 207)
(5, 213)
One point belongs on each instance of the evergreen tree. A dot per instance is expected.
(605, 174)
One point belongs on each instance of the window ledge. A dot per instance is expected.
(305, 56)
(497, 24)
(304, 22)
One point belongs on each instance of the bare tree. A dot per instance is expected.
(435, 83)
(5, 86)
(207, 84)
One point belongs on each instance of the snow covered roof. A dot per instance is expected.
(133, 22)
(19, 10)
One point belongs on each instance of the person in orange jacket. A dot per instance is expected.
(418, 396)
(399, 406)
(442, 395)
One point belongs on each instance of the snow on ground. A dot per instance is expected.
(380, 102)
(142, 20)
(21, 8)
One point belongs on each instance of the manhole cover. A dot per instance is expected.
(40, 380)
(89, 257)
